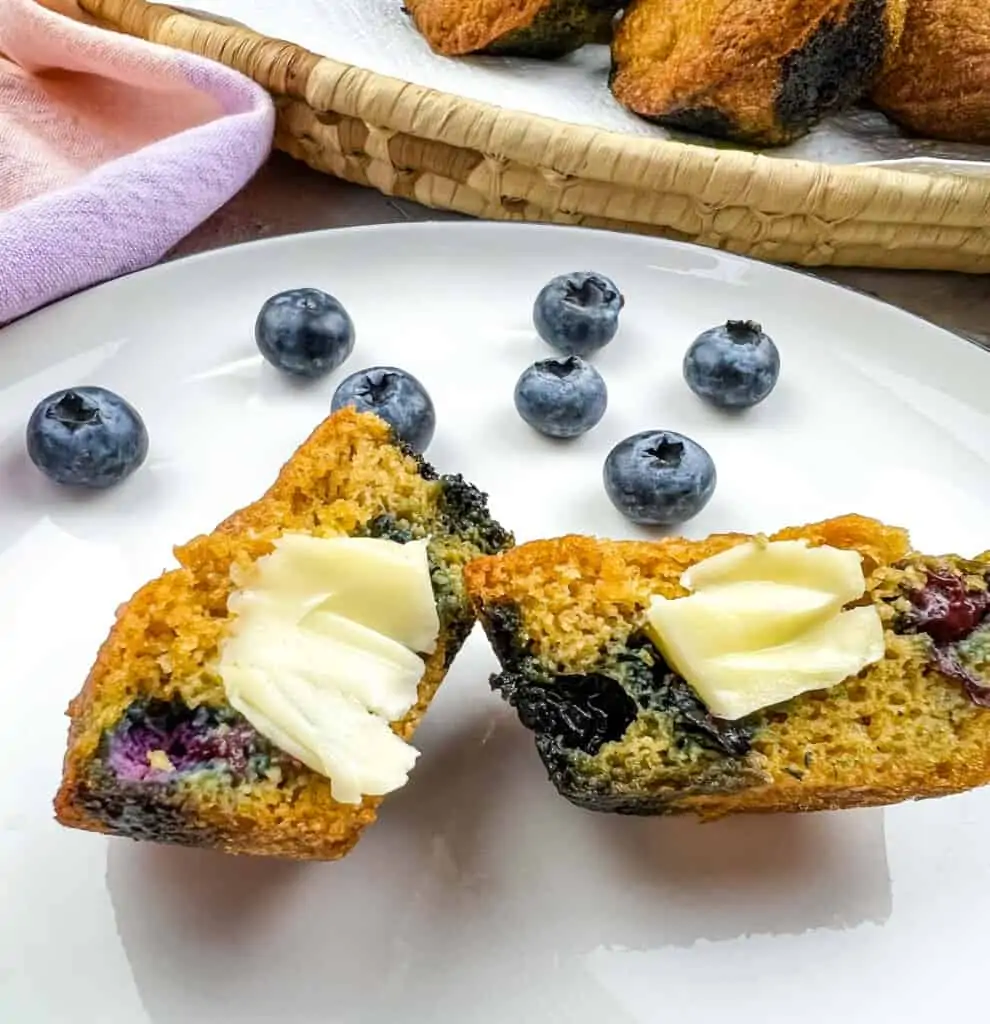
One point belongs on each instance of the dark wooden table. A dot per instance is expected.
(286, 197)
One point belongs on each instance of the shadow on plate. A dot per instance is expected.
(479, 888)
(29, 497)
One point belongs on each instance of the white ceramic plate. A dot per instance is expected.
(480, 895)
(377, 35)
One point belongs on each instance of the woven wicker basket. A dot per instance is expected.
(456, 154)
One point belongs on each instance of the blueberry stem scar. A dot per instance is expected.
(667, 452)
(377, 387)
(560, 367)
(73, 410)
(744, 332)
(589, 293)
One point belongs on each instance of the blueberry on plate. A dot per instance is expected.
(561, 397)
(394, 396)
(659, 478)
(733, 366)
(578, 313)
(86, 437)
(304, 332)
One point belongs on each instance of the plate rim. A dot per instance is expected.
(467, 226)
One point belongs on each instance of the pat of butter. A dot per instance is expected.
(378, 583)
(323, 653)
(766, 623)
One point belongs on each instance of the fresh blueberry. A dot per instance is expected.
(396, 397)
(561, 397)
(578, 313)
(86, 437)
(304, 332)
(733, 366)
(659, 478)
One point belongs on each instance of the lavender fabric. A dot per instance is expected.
(86, 194)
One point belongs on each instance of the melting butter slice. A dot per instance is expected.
(378, 583)
(766, 623)
(328, 732)
(742, 617)
(322, 655)
(836, 571)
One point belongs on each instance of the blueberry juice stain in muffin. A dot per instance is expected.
(159, 753)
(946, 609)
(952, 609)
(584, 721)
(157, 741)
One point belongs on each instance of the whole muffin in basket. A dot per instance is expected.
(757, 72)
(525, 28)
(938, 83)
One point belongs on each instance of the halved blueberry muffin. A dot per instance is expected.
(827, 666)
(260, 697)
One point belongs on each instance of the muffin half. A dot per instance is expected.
(828, 666)
(260, 698)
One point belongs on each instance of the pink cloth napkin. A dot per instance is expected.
(111, 150)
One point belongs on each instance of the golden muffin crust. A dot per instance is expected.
(938, 82)
(533, 28)
(760, 72)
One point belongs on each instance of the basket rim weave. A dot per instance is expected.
(838, 207)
